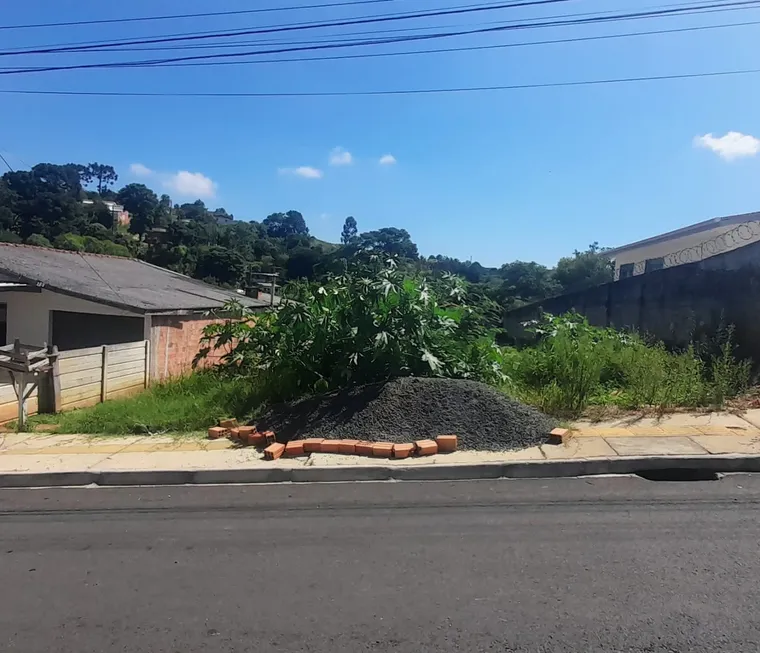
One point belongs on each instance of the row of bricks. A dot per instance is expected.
(295, 448)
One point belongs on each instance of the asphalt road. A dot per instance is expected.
(567, 565)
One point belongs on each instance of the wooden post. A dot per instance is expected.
(104, 375)
(56, 372)
(146, 381)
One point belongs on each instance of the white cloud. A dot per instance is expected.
(733, 145)
(139, 170)
(191, 184)
(307, 172)
(387, 160)
(340, 157)
(182, 183)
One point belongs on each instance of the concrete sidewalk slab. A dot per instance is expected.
(655, 446)
(729, 444)
(579, 448)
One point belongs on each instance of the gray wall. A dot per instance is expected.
(670, 304)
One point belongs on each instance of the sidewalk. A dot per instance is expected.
(721, 441)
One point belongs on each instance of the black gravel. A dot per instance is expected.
(410, 409)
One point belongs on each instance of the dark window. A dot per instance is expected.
(654, 264)
(82, 330)
(626, 270)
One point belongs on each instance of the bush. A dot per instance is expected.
(38, 240)
(573, 365)
(371, 323)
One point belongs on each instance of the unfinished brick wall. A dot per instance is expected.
(174, 341)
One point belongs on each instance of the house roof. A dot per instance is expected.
(707, 225)
(125, 283)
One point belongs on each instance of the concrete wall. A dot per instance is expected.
(28, 317)
(692, 247)
(671, 304)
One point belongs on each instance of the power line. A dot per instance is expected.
(472, 48)
(388, 92)
(200, 15)
(539, 24)
(6, 162)
(467, 9)
(323, 39)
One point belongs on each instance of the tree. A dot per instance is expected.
(281, 225)
(301, 263)
(196, 212)
(103, 174)
(585, 269)
(141, 202)
(349, 231)
(525, 282)
(391, 241)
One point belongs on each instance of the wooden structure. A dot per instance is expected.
(84, 377)
(69, 379)
(26, 366)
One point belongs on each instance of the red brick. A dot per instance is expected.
(364, 449)
(294, 448)
(446, 443)
(403, 450)
(274, 451)
(217, 432)
(269, 437)
(348, 447)
(330, 446)
(234, 434)
(313, 445)
(426, 447)
(382, 450)
(245, 431)
(228, 423)
(559, 436)
(257, 439)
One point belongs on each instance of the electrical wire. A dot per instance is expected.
(385, 92)
(324, 39)
(207, 14)
(206, 57)
(385, 18)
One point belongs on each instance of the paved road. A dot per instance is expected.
(542, 566)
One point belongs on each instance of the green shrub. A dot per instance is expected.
(573, 365)
(38, 240)
(371, 323)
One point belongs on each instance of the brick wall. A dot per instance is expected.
(174, 341)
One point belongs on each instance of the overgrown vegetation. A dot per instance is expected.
(370, 323)
(182, 405)
(573, 365)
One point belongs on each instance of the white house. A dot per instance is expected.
(686, 245)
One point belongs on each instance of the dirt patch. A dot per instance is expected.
(409, 409)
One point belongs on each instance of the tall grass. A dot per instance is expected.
(190, 403)
(573, 365)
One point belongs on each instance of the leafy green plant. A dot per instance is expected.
(369, 323)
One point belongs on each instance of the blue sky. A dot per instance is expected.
(493, 176)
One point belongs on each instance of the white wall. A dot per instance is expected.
(686, 249)
(29, 313)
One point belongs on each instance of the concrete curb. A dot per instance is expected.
(437, 472)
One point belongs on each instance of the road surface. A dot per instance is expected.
(599, 565)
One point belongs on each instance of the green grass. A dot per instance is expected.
(183, 405)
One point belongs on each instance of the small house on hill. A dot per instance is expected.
(76, 301)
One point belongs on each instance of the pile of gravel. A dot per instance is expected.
(410, 409)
